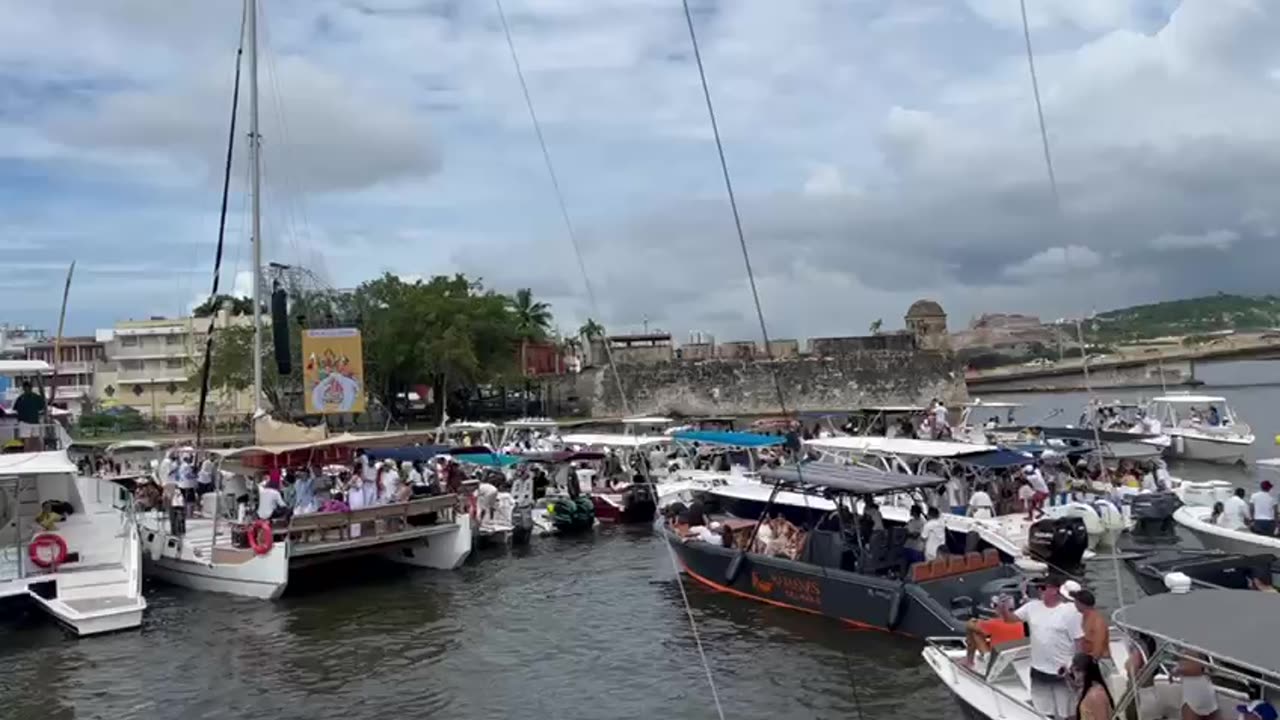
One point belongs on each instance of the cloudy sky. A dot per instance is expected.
(882, 150)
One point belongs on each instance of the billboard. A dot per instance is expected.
(332, 371)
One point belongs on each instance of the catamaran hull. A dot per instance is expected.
(444, 551)
(859, 600)
(1189, 447)
(266, 580)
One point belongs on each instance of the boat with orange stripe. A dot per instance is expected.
(845, 565)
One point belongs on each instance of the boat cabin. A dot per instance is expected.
(1186, 410)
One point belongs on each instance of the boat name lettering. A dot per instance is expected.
(805, 591)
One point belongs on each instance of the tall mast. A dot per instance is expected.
(251, 19)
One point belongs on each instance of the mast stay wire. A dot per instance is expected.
(755, 297)
(564, 209)
(595, 309)
(1066, 248)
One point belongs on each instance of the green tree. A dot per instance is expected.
(875, 326)
(532, 321)
(236, 305)
(591, 330)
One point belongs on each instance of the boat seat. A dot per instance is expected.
(955, 564)
(921, 571)
(973, 561)
(938, 567)
(990, 557)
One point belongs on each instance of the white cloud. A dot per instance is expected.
(1220, 240)
(1055, 261)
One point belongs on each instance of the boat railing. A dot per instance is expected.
(384, 519)
(954, 668)
(53, 435)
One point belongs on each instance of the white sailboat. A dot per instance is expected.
(211, 554)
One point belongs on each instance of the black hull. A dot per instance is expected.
(1222, 570)
(862, 601)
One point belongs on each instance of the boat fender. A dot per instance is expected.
(735, 567)
(1179, 445)
(260, 537)
(895, 610)
(43, 541)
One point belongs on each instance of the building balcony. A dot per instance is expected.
(152, 375)
(150, 350)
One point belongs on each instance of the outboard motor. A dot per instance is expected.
(1060, 542)
(1152, 515)
(638, 504)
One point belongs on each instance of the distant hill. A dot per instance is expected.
(1191, 316)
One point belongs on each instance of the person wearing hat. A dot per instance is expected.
(1093, 636)
(1258, 710)
(1264, 510)
(1053, 623)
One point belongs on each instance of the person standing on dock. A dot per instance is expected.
(1053, 624)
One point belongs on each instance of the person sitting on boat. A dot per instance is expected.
(1199, 696)
(147, 495)
(1052, 623)
(707, 533)
(1263, 510)
(1095, 701)
(304, 493)
(1215, 514)
(934, 534)
(980, 504)
(1215, 418)
(982, 634)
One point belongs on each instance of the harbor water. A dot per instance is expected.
(593, 627)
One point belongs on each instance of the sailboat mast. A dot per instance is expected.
(251, 27)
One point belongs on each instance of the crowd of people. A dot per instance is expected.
(1257, 513)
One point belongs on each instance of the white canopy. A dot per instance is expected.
(898, 446)
(22, 367)
(52, 462)
(1189, 399)
(613, 440)
(646, 420)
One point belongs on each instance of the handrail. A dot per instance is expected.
(936, 641)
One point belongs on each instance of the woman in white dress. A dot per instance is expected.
(356, 499)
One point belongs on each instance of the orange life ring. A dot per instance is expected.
(260, 537)
(39, 543)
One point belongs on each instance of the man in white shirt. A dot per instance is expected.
(271, 503)
(1263, 504)
(934, 534)
(1054, 625)
(1039, 487)
(980, 504)
(956, 491)
(1235, 512)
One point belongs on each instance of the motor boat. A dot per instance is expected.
(835, 570)
(1201, 427)
(621, 498)
(739, 455)
(1231, 632)
(1195, 514)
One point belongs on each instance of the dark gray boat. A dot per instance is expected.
(843, 573)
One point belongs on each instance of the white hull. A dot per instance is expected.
(216, 578)
(986, 700)
(444, 551)
(1196, 519)
(1209, 449)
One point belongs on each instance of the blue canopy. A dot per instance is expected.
(492, 460)
(408, 453)
(996, 459)
(729, 439)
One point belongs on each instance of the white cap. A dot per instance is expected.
(715, 525)
(1027, 468)
(1177, 582)
(1069, 589)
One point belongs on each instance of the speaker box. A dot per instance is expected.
(280, 329)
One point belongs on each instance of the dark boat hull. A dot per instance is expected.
(862, 601)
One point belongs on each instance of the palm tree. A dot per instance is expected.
(533, 321)
(875, 326)
(591, 330)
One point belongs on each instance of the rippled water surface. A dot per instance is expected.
(569, 629)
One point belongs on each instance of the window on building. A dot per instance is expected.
(172, 339)
(129, 341)
(174, 363)
(131, 365)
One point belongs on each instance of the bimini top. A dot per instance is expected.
(899, 446)
(1269, 463)
(134, 445)
(531, 424)
(1188, 398)
(890, 409)
(729, 439)
(411, 453)
(993, 404)
(1088, 435)
(493, 460)
(997, 459)
(561, 456)
(1239, 626)
(12, 367)
(612, 440)
(855, 479)
(647, 420)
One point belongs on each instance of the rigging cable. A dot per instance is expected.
(1057, 206)
(222, 230)
(755, 296)
(564, 209)
(595, 309)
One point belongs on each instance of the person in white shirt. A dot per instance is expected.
(708, 533)
(956, 491)
(1235, 512)
(934, 534)
(1040, 489)
(271, 503)
(1054, 625)
(1263, 505)
(390, 480)
(980, 504)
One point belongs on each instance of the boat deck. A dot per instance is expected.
(88, 606)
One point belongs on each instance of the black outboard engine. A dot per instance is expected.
(1153, 516)
(1060, 542)
(639, 504)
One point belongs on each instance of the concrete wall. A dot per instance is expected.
(903, 342)
(738, 387)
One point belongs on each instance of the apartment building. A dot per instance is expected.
(148, 366)
(78, 361)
